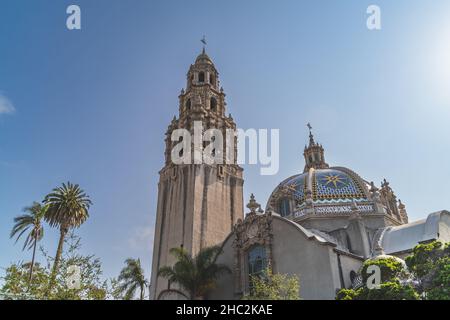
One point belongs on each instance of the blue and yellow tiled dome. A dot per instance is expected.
(325, 189)
(326, 185)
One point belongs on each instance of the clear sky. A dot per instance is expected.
(92, 106)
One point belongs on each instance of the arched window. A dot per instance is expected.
(201, 77)
(257, 261)
(212, 79)
(213, 104)
(317, 156)
(188, 104)
(352, 276)
(284, 207)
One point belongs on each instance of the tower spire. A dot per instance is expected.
(314, 153)
(311, 136)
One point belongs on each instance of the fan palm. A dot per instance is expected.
(195, 275)
(131, 278)
(30, 222)
(68, 207)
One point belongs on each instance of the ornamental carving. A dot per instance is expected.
(255, 229)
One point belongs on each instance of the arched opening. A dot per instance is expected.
(212, 79)
(352, 277)
(201, 77)
(257, 262)
(284, 207)
(213, 104)
(188, 104)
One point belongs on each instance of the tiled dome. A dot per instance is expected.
(327, 186)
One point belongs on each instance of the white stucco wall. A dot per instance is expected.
(315, 262)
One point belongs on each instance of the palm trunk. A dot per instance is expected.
(142, 292)
(63, 232)
(32, 263)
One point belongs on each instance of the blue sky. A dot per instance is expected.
(92, 106)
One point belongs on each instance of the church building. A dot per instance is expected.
(320, 224)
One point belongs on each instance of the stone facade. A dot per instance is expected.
(198, 204)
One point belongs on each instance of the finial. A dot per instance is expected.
(379, 249)
(204, 44)
(311, 137)
(252, 204)
(373, 188)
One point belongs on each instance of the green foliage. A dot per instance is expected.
(15, 282)
(430, 264)
(440, 285)
(347, 294)
(390, 290)
(131, 279)
(68, 207)
(271, 286)
(196, 276)
(31, 221)
(423, 258)
(429, 267)
(390, 268)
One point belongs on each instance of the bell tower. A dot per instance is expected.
(314, 154)
(198, 204)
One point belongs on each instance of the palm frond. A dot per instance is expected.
(131, 277)
(68, 206)
(195, 275)
(31, 223)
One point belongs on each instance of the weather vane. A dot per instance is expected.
(204, 42)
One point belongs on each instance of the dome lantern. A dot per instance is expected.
(314, 154)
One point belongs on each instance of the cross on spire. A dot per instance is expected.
(311, 137)
(203, 40)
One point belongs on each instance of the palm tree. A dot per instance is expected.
(31, 221)
(131, 278)
(68, 207)
(195, 275)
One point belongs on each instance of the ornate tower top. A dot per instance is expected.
(202, 101)
(203, 72)
(314, 154)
